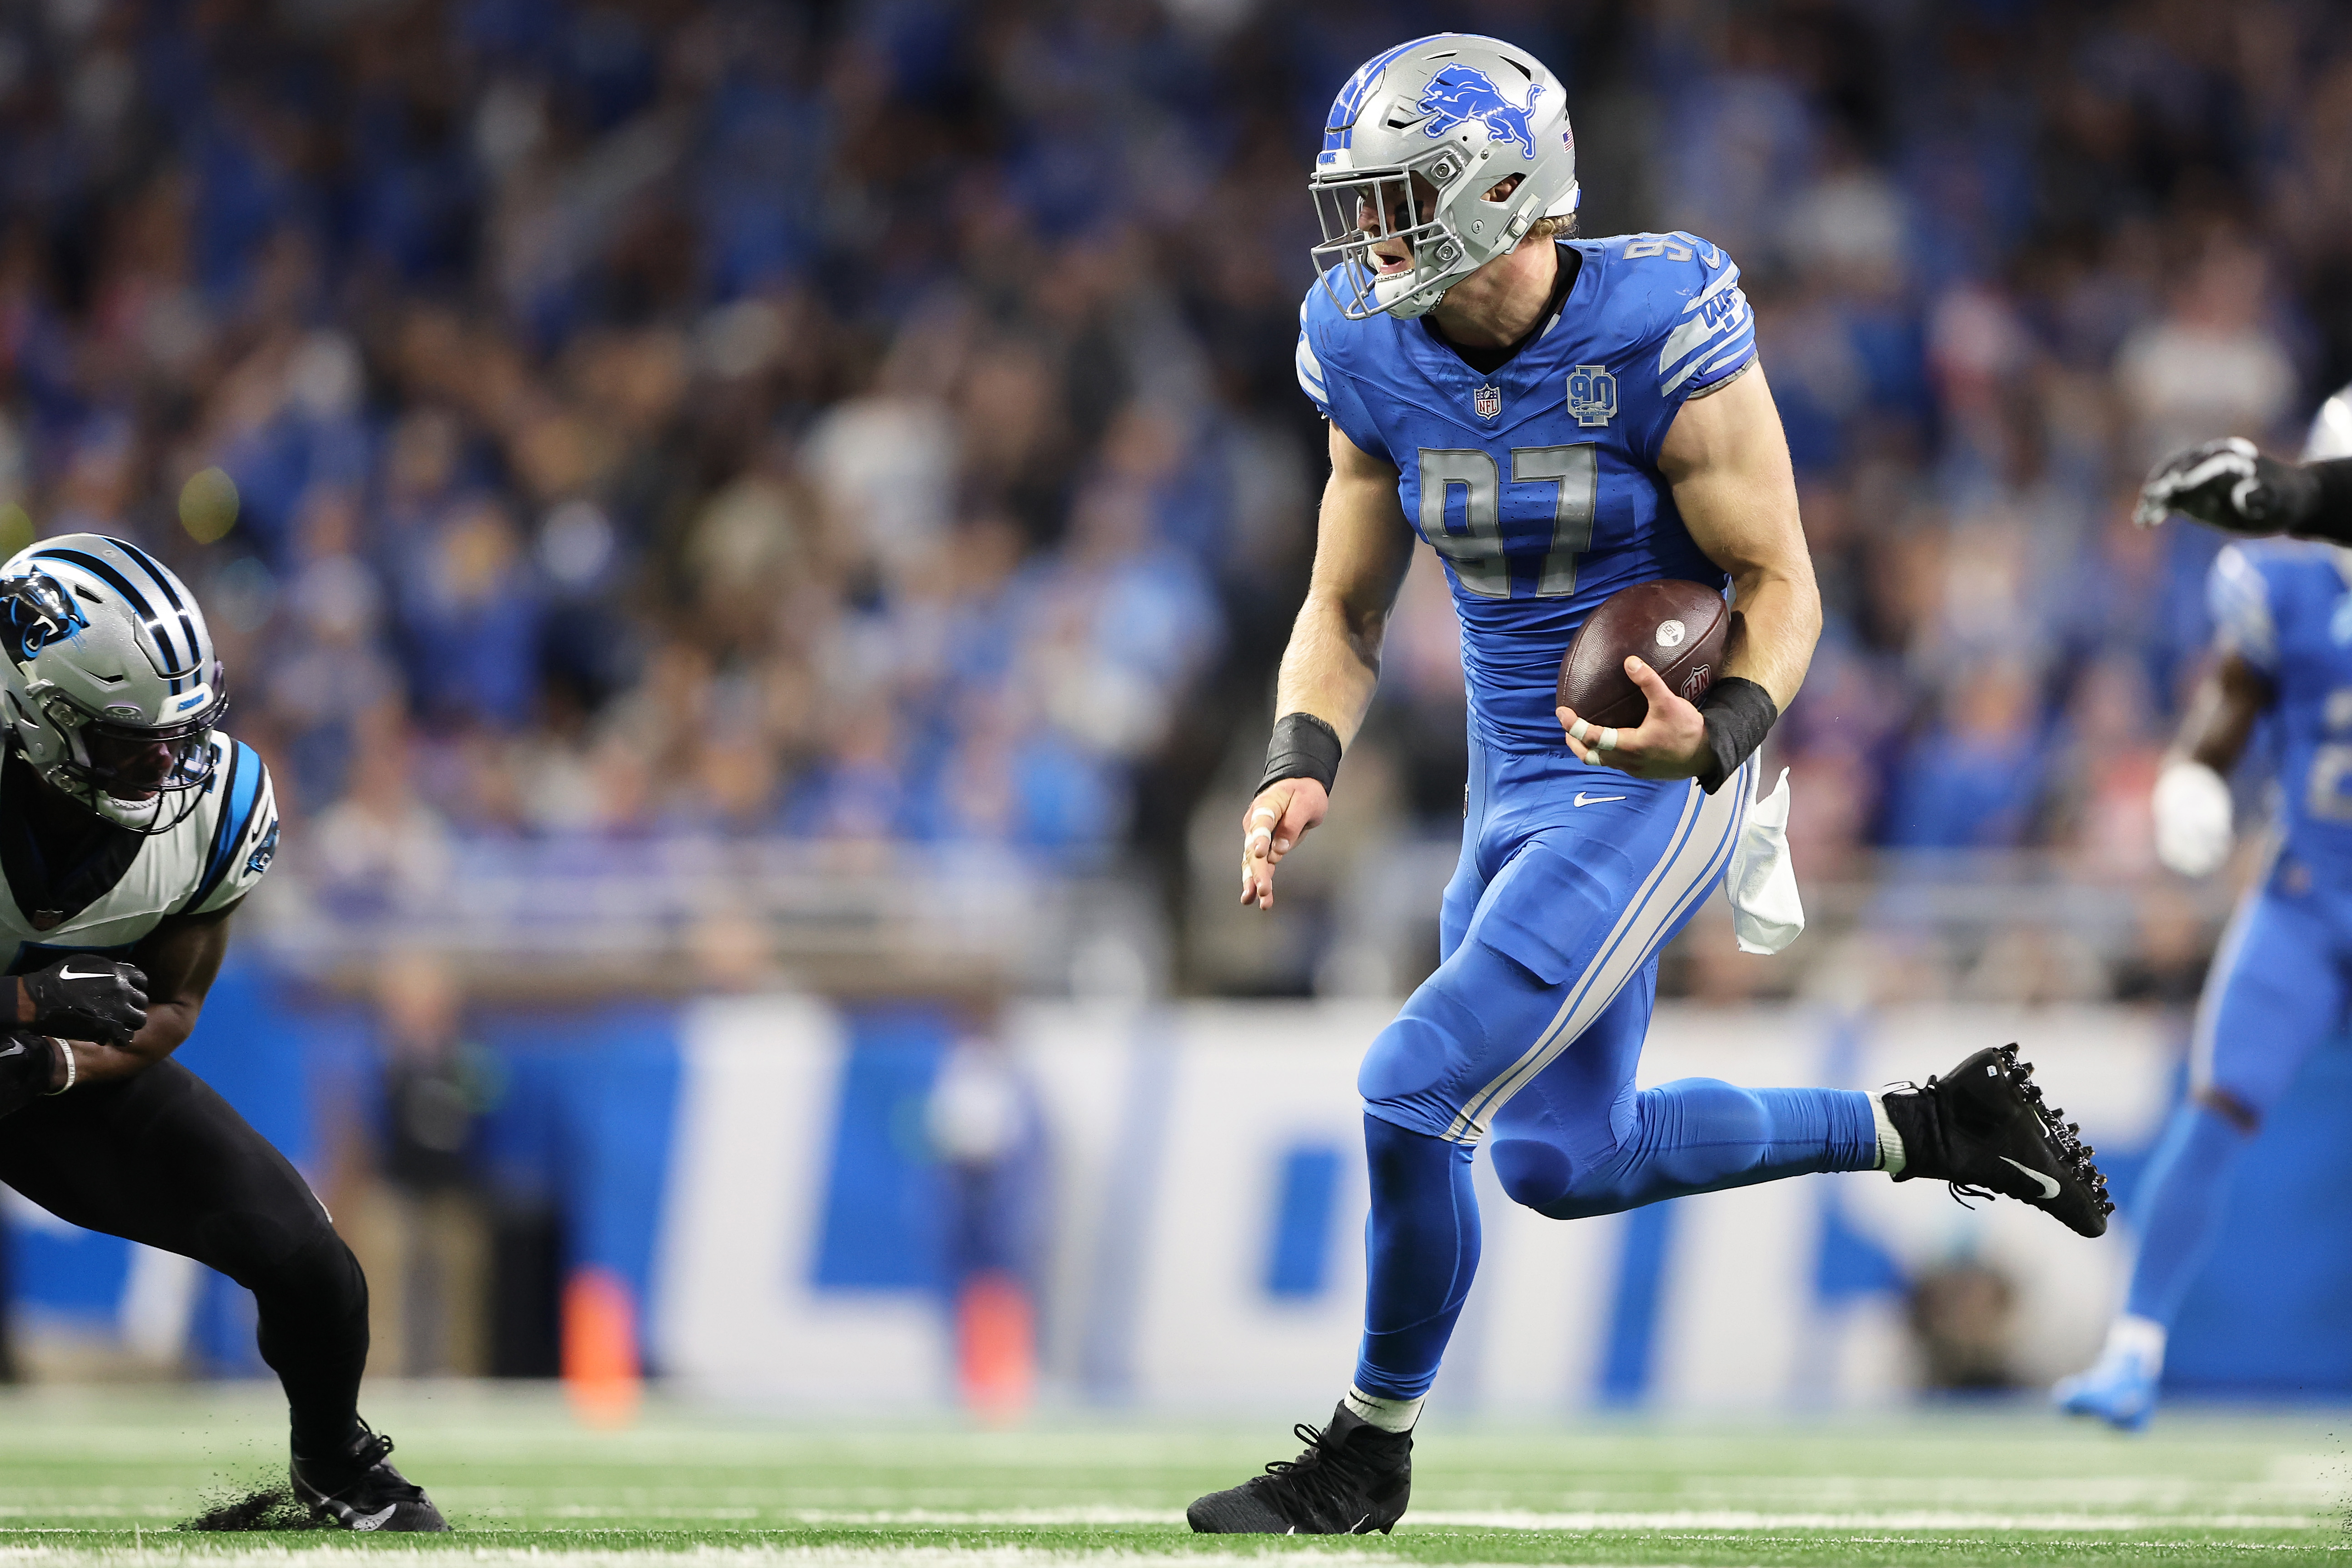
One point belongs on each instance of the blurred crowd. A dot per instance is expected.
(872, 425)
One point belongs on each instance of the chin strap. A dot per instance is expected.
(1409, 307)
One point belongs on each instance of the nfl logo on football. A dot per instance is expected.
(1592, 395)
(1488, 401)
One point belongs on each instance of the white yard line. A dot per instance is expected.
(755, 1556)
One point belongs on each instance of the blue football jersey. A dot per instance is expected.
(2286, 607)
(1538, 484)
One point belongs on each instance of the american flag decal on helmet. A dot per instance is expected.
(1488, 401)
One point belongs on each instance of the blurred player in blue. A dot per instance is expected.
(2283, 645)
(1560, 419)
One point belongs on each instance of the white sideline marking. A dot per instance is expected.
(1743, 1519)
(1908, 1518)
(714, 1557)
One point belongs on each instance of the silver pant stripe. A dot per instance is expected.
(1697, 851)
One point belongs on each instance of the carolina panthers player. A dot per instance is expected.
(1558, 419)
(129, 832)
(2283, 645)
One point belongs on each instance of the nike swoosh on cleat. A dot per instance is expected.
(373, 1521)
(2049, 1187)
(15, 1048)
(1584, 799)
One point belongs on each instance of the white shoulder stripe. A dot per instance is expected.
(2239, 598)
(1310, 370)
(1690, 335)
(1728, 278)
(1742, 341)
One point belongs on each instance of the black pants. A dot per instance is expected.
(161, 1160)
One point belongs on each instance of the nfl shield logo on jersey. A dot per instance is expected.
(1488, 401)
(1592, 395)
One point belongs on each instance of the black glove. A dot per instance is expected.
(27, 1062)
(2230, 485)
(85, 999)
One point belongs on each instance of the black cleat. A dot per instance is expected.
(361, 1491)
(1984, 1129)
(1352, 1479)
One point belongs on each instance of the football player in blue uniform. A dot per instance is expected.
(130, 830)
(1558, 418)
(2283, 645)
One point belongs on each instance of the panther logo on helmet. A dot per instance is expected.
(1459, 94)
(34, 610)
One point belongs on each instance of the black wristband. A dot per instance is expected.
(1739, 713)
(2322, 505)
(1303, 747)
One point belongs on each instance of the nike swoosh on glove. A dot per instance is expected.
(84, 998)
(2227, 485)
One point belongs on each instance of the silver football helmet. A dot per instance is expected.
(107, 683)
(1414, 142)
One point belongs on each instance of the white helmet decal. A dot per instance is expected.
(1414, 142)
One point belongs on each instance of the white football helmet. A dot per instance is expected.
(107, 681)
(1413, 143)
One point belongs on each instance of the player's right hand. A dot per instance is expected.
(80, 998)
(1271, 826)
(2225, 484)
(2193, 828)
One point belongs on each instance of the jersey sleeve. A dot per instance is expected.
(244, 837)
(1700, 332)
(1328, 386)
(2239, 597)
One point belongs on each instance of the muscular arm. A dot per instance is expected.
(1362, 547)
(1727, 462)
(2222, 714)
(181, 957)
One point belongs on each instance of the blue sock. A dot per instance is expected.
(1698, 1135)
(2179, 1205)
(1421, 1247)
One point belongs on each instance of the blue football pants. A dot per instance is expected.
(2276, 990)
(1529, 1033)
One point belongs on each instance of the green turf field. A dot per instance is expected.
(102, 1476)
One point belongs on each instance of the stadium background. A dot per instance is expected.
(754, 539)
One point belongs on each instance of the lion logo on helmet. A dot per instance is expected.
(1459, 94)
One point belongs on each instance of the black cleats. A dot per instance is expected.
(361, 1491)
(1984, 1129)
(1352, 1479)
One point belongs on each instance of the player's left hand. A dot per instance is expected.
(1669, 744)
(84, 998)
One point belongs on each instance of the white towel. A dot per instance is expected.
(1767, 914)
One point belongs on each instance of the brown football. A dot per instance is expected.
(1677, 627)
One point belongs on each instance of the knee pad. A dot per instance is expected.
(1419, 1047)
(328, 1276)
(1533, 1173)
(314, 1270)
